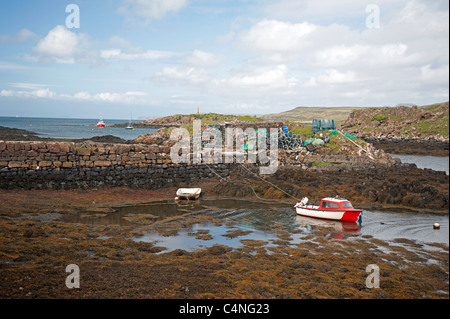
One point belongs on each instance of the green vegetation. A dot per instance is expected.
(379, 118)
(80, 146)
(317, 163)
(208, 118)
(424, 121)
(304, 130)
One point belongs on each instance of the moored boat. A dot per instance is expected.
(100, 123)
(130, 125)
(188, 193)
(331, 208)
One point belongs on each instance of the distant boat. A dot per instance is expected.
(100, 123)
(130, 125)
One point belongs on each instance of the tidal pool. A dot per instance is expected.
(233, 222)
(257, 225)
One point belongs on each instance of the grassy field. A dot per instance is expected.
(207, 118)
(307, 114)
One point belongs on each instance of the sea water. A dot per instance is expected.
(72, 128)
(437, 163)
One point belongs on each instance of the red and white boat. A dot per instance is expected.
(332, 208)
(100, 123)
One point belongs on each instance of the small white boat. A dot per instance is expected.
(130, 125)
(188, 193)
(330, 208)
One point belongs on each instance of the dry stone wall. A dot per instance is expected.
(59, 165)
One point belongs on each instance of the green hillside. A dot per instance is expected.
(409, 122)
(306, 114)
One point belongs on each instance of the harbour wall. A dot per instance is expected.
(65, 165)
(68, 165)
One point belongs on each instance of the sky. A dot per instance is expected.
(151, 58)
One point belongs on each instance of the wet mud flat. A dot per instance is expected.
(103, 233)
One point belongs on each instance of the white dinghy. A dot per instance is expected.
(188, 193)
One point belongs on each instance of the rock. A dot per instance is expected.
(34, 231)
(218, 249)
(84, 151)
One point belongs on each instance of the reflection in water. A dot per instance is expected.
(330, 225)
(185, 240)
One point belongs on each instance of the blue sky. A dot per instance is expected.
(162, 57)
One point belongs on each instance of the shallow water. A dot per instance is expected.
(266, 221)
(436, 163)
(388, 226)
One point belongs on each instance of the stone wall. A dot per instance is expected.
(60, 165)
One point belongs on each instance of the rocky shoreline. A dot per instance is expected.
(37, 246)
(403, 130)
(411, 147)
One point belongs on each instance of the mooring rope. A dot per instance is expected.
(227, 181)
(368, 153)
(77, 161)
(216, 173)
(264, 180)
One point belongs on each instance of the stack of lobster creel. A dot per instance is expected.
(288, 140)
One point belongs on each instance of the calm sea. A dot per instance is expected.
(72, 128)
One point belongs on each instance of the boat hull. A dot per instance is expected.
(340, 215)
(188, 196)
(188, 193)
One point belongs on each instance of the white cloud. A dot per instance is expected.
(275, 36)
(11, 66)
(204, 59)
(7, 93)
(336, 77)
(27, 86)
(130, 97)
(123, 49)
(183, 76)
(327, 11)
(44, 93)
(63, 46)
(147, 10)
(263, 77)
(21, 36)
(435, 77)
(407, 57)
(340, 55)
(118, 54)
(39, 93)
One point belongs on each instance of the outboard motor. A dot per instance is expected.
(304, 201)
